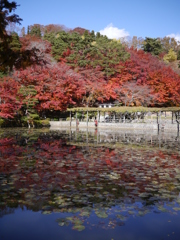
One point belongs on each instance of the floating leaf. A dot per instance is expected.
(176, 208)
(85, 213)
(101, 214)
(46, 212)
(162, 209)
(62, 222)
(123, 218)
(79, 227)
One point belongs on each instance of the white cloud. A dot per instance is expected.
(113, 32)
(176, 36)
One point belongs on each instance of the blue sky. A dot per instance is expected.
(142, 18)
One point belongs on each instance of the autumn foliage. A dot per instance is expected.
(160, 84)
(90, 70)
(9, 102)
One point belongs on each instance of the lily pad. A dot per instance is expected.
(79, 227)
(46, 212)
(101, 214)
(62, 222)
(85, 213)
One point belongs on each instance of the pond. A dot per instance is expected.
(64, 184)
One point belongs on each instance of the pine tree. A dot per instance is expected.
(178, 55)
(98, 35)
(92, 34)
(152, 45)
(28, 31)
(36, 31)
(15, 43)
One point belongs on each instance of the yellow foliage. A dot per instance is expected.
(171, 56)
(116, 40)
(57, 35)
(93, 43)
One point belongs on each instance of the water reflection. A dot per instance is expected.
(168, 140)
(91, 179)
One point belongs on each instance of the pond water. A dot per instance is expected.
(89, 185)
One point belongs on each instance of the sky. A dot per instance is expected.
(114, 18)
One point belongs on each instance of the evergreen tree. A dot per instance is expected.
(28, 30)
(15, 43)
(178, 55)
(29, 103)
(36, 31)
(5, 9)
(86, 34)
(98, 35)
(87, 50)
(92, 34)
(50, 37)
(152, 45)
(60, 44)
(7, 56)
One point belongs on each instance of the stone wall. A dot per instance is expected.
(102, 125)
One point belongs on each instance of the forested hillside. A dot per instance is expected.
(50, 68)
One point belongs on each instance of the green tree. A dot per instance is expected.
(8, 57)
(60, 44)
(152, 45)
(50, 37)
(6, 9)
(87, 51)
(15, 44)
(92, 34)
(28, 94)
(6, 18)
(36, 31)
(98, 35)
(86, 34)
(12, 51)
(28, 30)
(178, 55)
(109, 53)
